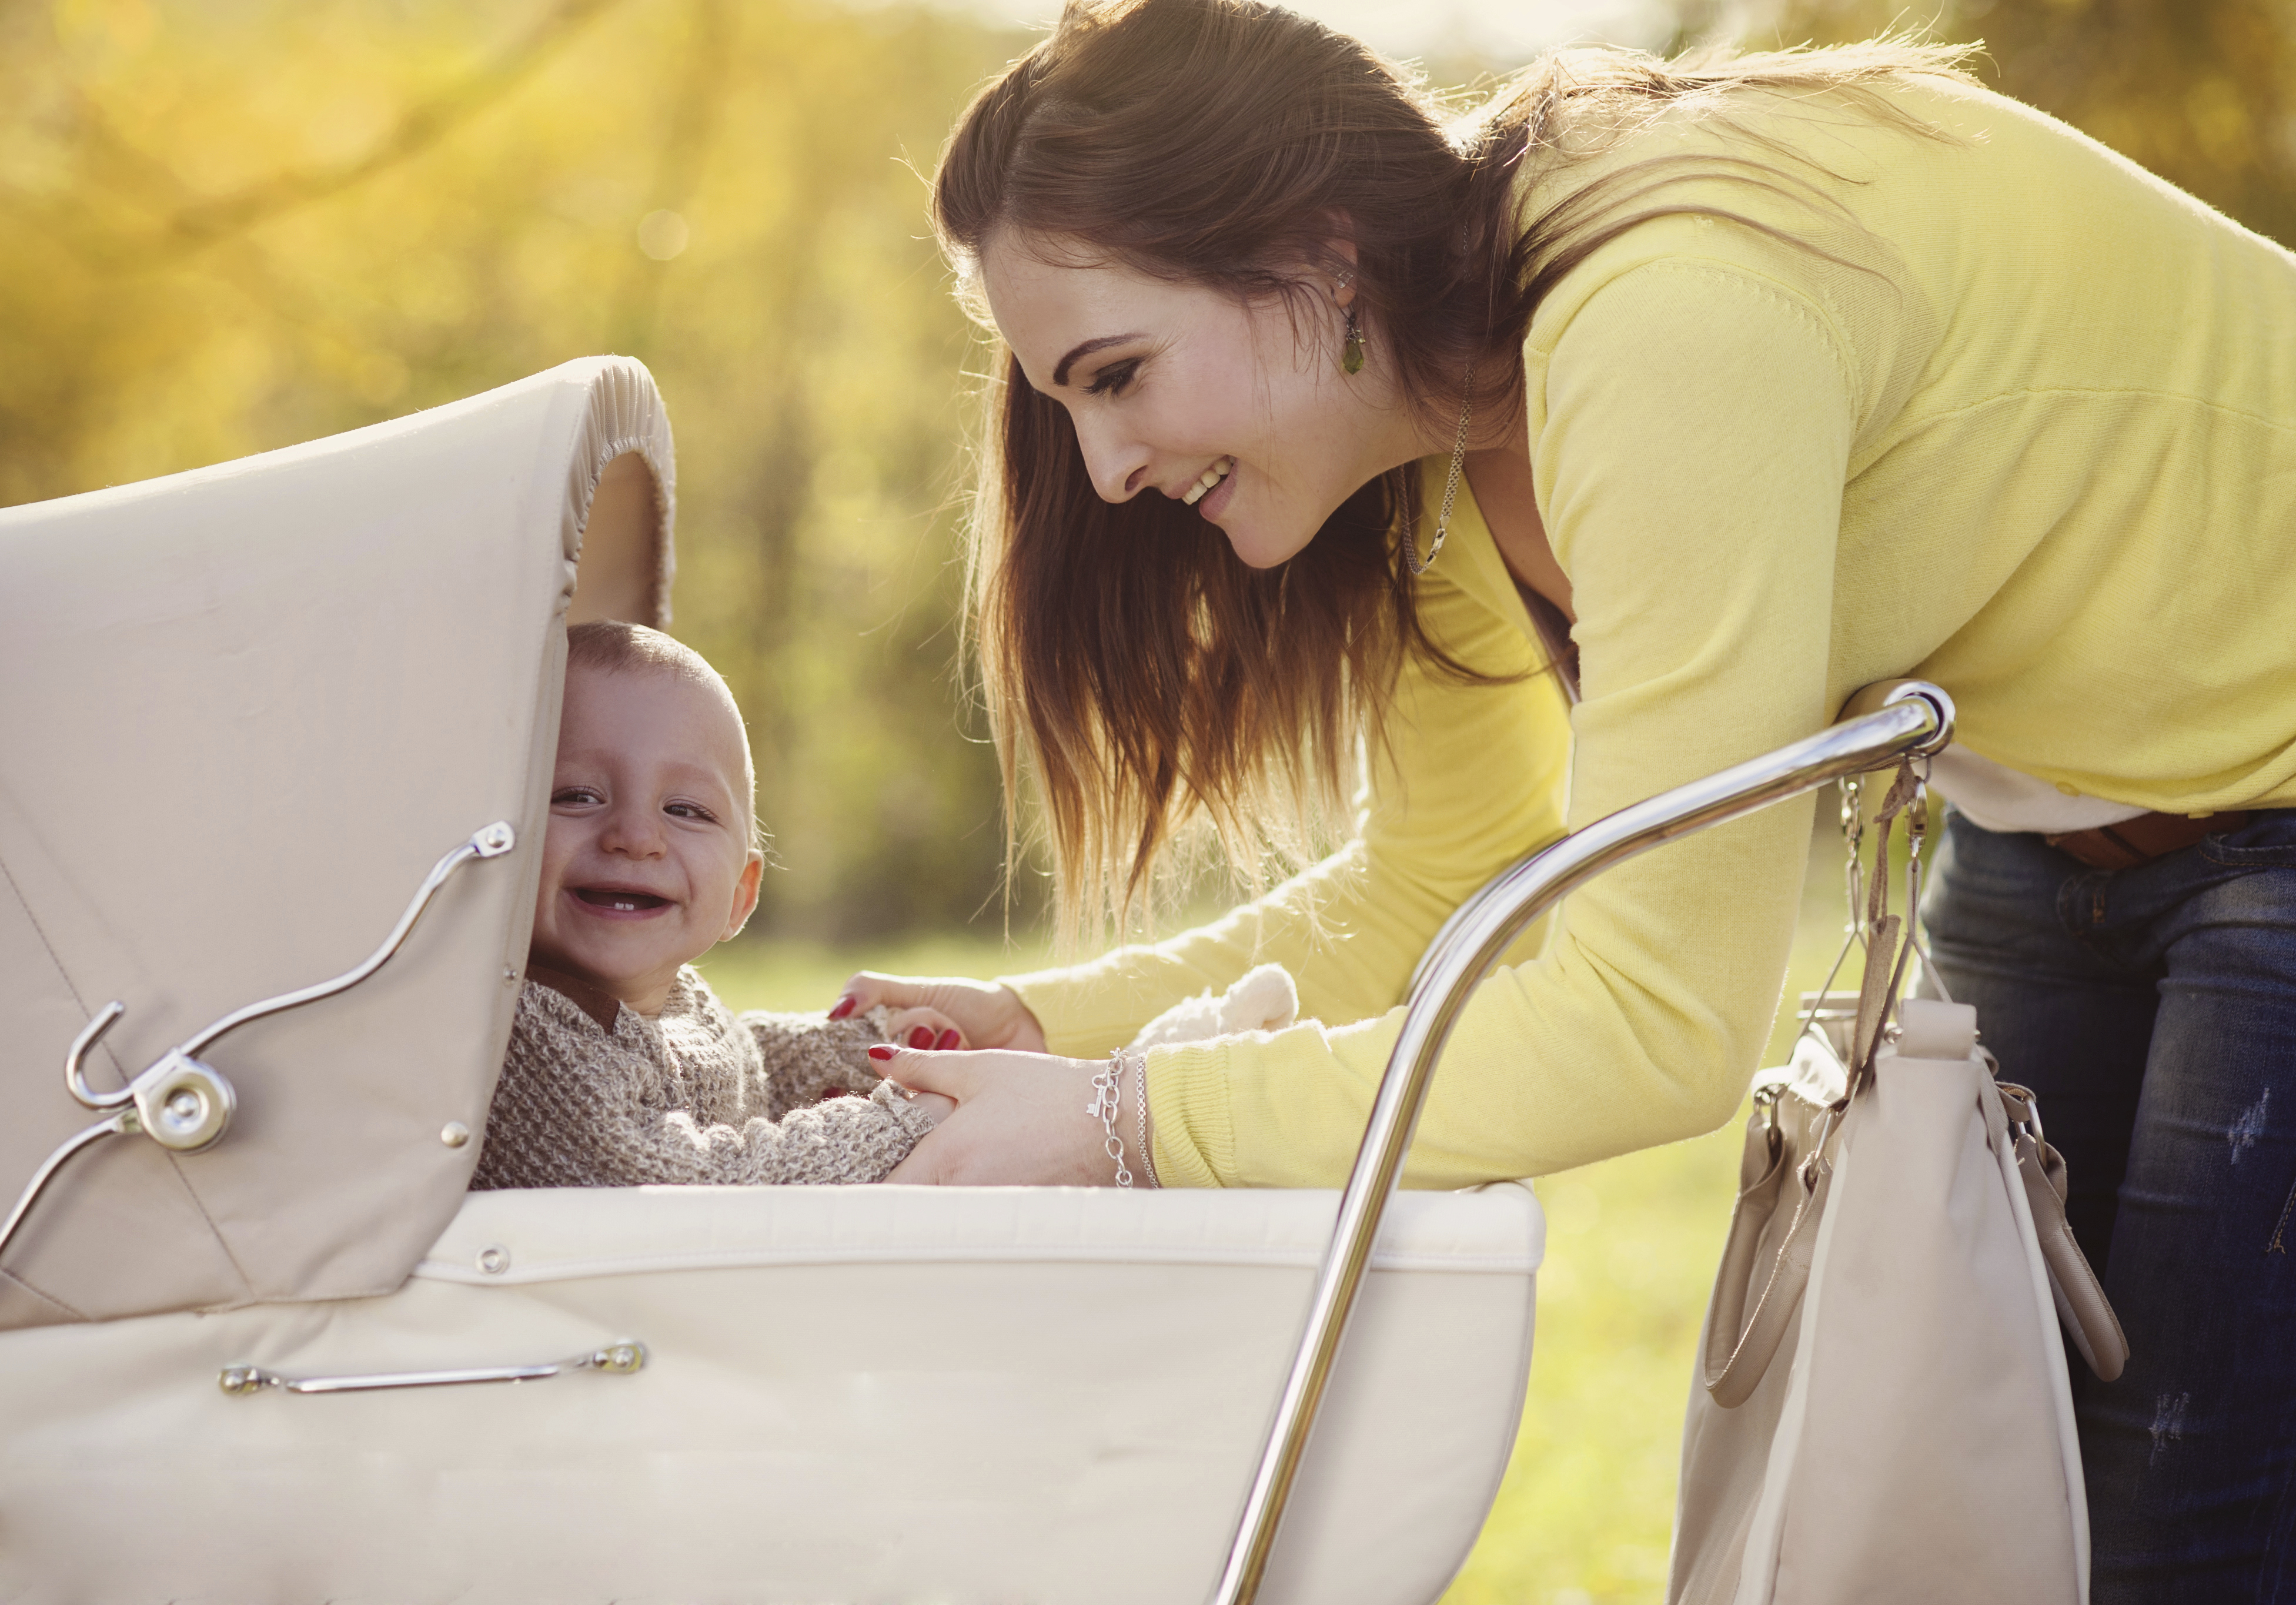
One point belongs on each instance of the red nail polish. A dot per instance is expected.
(845, 1006)
(883, 1051)
(948, 1039)
(921, 1038)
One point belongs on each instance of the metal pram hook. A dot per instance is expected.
(186, 1105)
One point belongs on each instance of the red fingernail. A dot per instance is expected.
(947, 1040)
(845, 1006)
(883, 1051)
(921, 1038)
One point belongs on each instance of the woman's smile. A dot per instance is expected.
(1211, 501)
(1162, 378)
(1210, 480)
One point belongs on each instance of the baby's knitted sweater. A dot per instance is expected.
(594, 1095)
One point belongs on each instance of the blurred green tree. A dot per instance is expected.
(2201, 92)
(231, 225)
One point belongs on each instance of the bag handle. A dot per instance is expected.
(2082, 1308)
(1885, 956)
(1740, 1348)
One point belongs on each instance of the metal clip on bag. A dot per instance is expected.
(1884, 1412)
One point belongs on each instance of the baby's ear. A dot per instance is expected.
(745, 895)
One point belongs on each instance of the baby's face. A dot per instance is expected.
(647, 863)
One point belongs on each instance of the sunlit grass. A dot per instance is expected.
(1587, 1505)
(771, 974)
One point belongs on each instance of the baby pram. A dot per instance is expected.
(248, 1323)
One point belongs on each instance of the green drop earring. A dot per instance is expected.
(1352, 350)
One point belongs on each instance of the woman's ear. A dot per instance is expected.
(1340, 258)
(745, 895)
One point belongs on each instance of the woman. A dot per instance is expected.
(1322, 421)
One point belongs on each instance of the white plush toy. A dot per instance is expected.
(1264, 1000)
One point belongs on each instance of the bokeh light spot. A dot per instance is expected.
(662, 236)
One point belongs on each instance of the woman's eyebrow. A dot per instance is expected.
(1061, 372)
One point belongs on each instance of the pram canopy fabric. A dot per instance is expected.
(249, 708)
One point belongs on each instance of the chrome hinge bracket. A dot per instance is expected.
(615, 1359)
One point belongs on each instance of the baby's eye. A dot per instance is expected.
(687, 810)
(1114, 380)
(567, 797)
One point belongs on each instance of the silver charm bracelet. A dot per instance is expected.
(1106, 1104)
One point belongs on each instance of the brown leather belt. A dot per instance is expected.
(2142, 840)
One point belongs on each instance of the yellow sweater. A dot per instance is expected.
(2023, 422)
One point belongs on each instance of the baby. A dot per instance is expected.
(624, 1068)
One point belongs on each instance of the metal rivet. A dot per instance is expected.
(453, 1134)
(494, 1260)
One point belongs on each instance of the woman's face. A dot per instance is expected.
(1172, 384)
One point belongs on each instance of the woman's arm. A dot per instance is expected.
(1696, 437)
(1470, 779)
(1697, 431)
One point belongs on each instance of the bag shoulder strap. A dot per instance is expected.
(2082, 1307)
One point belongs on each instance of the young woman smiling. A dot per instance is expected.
(1338, 444)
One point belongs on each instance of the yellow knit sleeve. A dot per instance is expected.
(1470, 778)
(1691, 426)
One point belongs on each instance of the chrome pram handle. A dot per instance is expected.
(185, 1105)
(1884, 724)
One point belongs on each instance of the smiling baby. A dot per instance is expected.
(624, 1068)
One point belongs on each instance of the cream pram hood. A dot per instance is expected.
(248, 708)
(251, 708)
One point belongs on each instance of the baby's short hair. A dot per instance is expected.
(614, 646)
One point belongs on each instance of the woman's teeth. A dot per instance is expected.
(1212, 476)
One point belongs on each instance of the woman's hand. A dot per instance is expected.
(989, 1016)
(1020, 1121)
(924, 1028)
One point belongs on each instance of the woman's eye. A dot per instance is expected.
(1114, 380)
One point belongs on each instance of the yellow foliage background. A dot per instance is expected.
(225, 227)
(228, 225)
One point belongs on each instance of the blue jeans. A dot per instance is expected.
(2153, 1012)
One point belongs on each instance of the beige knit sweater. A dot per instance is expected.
(594, 1094)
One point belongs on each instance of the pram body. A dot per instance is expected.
(249, 707)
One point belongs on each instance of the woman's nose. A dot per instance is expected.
(1117, 466)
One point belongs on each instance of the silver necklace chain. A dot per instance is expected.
(1450, 490)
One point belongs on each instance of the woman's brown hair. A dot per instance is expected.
(1127, 656)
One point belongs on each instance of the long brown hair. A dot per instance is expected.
(1147, 676)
